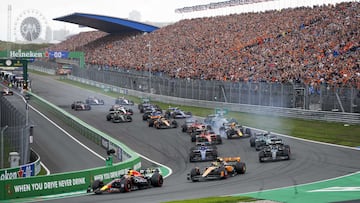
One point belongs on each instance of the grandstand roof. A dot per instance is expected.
(106, 23)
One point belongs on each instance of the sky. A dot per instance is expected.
(162, 11)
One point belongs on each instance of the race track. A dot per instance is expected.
(57, 149)
(310, 161)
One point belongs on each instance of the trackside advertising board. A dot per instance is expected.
(22, 171)
(62, 183)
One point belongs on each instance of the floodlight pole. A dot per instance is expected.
(149, 64)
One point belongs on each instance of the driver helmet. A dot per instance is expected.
(214, 163)
(130, 172)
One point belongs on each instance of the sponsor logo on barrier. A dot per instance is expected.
(20, 172)
(7, 175)
(110, 175)
(49, 185)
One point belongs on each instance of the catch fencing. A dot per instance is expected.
(15, 133)
(300, 96)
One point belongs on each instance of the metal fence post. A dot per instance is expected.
(2, 145)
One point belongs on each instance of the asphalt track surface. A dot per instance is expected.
(309, 162)
(55, 147)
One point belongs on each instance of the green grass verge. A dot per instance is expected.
(330, 132)
(217, 200)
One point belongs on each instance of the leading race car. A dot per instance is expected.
(276, 150)
(94, 101)
(203, 152)
(221, 169)
(133, 180)
(80, 105)
(6, 91)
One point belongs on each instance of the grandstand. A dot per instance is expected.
(301, 45)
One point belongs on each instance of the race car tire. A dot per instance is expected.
(252, 142)
(191, 159)
(102, 102)
(194, 172)
(287, 153)
(228, 134)
(174, 124)
(151, 123)
(248, 131)
(288, 148)
(219, 139)
(261, 156)
(125, 185)
(240, 167)
(193, 138)
(183, 129)
(97, 184)
(208, 127)
(157, 180)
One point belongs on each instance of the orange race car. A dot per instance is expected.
(222, 168)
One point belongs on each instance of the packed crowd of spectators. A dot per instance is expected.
(314, 46)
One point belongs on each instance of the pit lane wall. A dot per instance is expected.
(13, 188)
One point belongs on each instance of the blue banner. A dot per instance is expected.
(58, 54)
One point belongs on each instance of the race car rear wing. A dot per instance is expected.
(231, 159)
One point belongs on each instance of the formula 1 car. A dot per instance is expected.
(203, 152)
(164, 123)
(262, 140)
(153, 117)
(118, 117)
(143, 103)
(123, 101)
(233, 130)
(80, 105)
(221, 169)
(151, 114)
(217, 122)
(117, 107)
(276, 150)
(94, 101)
(6, 91)
(206, 136)
(191, 125)
(175, 112)
(133, 180)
